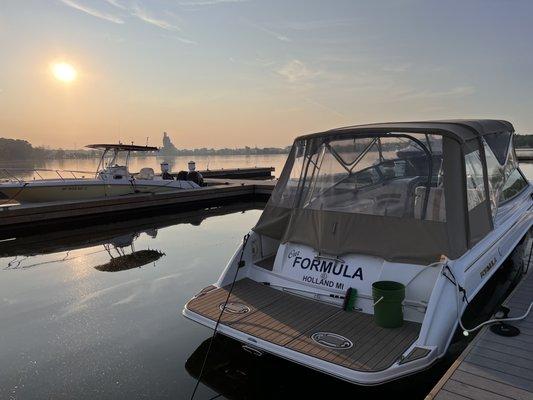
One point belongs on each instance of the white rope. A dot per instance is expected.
(467, 331)
(424, 269)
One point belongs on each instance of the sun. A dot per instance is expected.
(64, 72)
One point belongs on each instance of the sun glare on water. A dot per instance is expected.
(64, 72)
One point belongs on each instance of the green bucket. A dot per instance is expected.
(388, 297)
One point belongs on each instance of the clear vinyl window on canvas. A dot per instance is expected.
(397, 175)
(475, 185)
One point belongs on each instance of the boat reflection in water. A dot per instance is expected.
(119, 247)
(234, 373)
(135, 259)
(117, 240)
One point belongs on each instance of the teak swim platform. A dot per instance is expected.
(291, 321)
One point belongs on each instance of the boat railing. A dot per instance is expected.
(21, 174)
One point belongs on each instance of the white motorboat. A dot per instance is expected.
(374, 246)
(112, 178)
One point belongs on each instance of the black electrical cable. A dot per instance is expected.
(240, 264)
(455, 282)
(529, 259)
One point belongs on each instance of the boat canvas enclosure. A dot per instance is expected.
(406, 192)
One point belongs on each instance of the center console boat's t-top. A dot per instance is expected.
(112, 178)
(372, 246)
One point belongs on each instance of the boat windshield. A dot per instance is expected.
(114, 158)
(396, 174)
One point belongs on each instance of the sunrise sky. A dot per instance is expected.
(230, 73)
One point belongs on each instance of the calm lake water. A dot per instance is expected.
(75, 323)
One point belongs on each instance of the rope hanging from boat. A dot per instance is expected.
(240, 264)
(467, 331)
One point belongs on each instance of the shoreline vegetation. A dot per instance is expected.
(21, 150)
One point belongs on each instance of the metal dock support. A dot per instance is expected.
(492, 366)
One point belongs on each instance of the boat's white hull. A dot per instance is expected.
(438, 321)
(85, 189)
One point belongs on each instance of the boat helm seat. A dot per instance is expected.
(395, 198)
(435, 209)
(115, 172)
(146, 174)
(196, 177)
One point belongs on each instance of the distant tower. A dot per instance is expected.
(168, 147)
(166, 140)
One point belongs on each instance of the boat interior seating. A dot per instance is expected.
(146, 173)
(115, 172)
(435, 210)
(267, 262)
(394, 197)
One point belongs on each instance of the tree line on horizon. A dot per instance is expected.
(18, 149)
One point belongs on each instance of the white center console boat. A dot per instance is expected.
(112, 178)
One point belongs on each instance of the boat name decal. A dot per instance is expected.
(74, 188)
(323, 281)
(327, 267)
(293, 253)
(489, 266)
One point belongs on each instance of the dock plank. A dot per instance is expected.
(472, 392)
(500, 365)
(492, 385)
(505, 348)
(445, 395)
(492, 366)
(495, 375)
(502, 357)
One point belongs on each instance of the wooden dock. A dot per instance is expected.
(239, 173)
(492, 366)
(216, 193)
(524, 154)
(236, 173)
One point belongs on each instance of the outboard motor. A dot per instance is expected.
(193, 175)
(165, 171)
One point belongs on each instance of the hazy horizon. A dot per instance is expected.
(235, 73)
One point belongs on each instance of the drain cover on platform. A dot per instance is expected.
(234, 308)
(332, 340)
